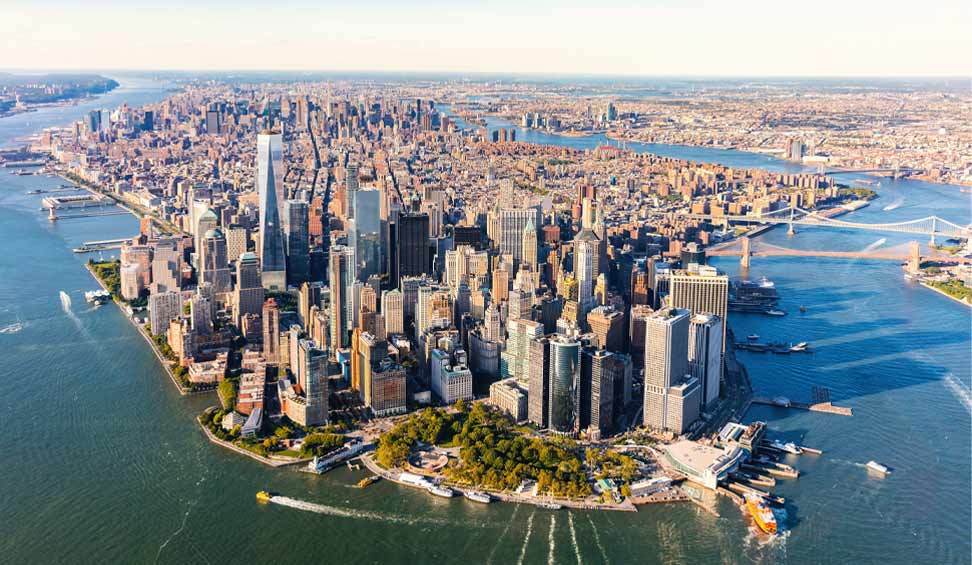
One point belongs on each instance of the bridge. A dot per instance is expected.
(745, 248)
(896, 171)
(932, 226)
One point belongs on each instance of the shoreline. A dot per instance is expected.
(945, 294)
(276, 464)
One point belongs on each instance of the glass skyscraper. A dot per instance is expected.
(366, 234)
(270, 188)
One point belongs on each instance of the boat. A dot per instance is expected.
(97, 296)
(802, 346)
(775, 313)
(877, 468)
(368, 481)
(444, 492)
(788, 447)
(478, 496)
(263, 496)
(752, 337)
(803, 308)
(550, 505)
(761, 513)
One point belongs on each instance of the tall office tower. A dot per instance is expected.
(368, 351)
(201, 314)
(312, 376)
(492, 331)
(351, 188)
(585, 248)
(413, 245)
(601, 290)
(366, 234)
(636, 332)
(271, 332)
(607, 325)
(166, 266)
(270, 189)
(248, 295)
(520, 305)
(386, 386)
(565, 368)
(705, 355)
(704, 293)
(512, 223)
(538, 409)
(501, 284)
(308, 297)
(641, 287)
(393, 309)
(298, 242)
(597, 392)
(236, 238)
(368, 299)
(205, 220)
(339, 282)
(478, 299)
(461, 303)
(163, 308)
(530, 246)
(517, 346)
(212, 121)
(666, 364)
(214, 268)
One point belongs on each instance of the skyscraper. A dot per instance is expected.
(538, 408)
(270, 189)
(565, 366)
(512, 224)
(669, 389)
(585, 249)
(413, 245)
(365, 233)
(163, 308)
(597, 391)
(340, 285)
(213, 265)
(271, 332)
(248, 295)
(298, 246)
(705, 355)
(393, 310)
(351, 188)
(530, 245)
(702, 292)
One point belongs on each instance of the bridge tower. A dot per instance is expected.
(933, 230)
(51, 214)
(746, 252)
(914, 262)
(789, 230)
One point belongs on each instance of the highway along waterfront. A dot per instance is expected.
(106, 463)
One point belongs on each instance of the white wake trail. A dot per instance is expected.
(893, 205)
(345, 513)
(597, 540)
(550, 540)
(526, 539)
(573, 537)
(960, 391)
(875, 245)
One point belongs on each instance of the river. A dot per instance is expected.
(104, 463)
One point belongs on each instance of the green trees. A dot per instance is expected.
(321, 444)
(227, 393)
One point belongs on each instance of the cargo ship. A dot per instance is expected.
(761, 513)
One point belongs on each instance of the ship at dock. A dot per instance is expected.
(444, 492)
(480, 497)
(754, 297)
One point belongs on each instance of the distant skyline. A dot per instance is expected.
(613, 37)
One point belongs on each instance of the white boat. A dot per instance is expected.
(788, 447)
(444, 492)
(550, 505)
(478, 496)
(775, 313)
(877, 468)
(752, 337)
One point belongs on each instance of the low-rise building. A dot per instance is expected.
(511, 397)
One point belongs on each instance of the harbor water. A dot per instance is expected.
(104, 463)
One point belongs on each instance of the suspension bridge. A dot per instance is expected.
(910, 252)
(931, 226)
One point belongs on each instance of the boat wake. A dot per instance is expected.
(526, 538)
(66, 306)
(875, 245)
(597, 540)
(551, 543)
(961, 392)
(573, 538)
(851, 463)
(346, 513)
(898, 202)
(12, 328)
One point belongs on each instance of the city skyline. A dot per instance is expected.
(755, 39)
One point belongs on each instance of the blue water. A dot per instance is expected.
(104, 464)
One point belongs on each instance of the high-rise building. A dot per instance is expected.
(517, 352)
(297, 240)
(450, 375)
(668, 385)
(365, 233)
(512, 224)
(248, 295)
(565, 368)
(597, 392)
(702, 292)
(311, 373)
(201, 314)
(607, 325)
(585, 249)
(339, 282)
(351, 188)
(271, 331)
(270, 190)
(214, 268)
(163, 308)
(530, 243)
(705, 355)
(393, 310)
(538, 410)
(413, 245)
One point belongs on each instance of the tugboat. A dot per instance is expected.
(263, 496)
(761, 514)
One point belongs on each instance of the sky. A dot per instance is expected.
(610, 37)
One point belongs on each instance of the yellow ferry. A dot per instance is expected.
(761, 513)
